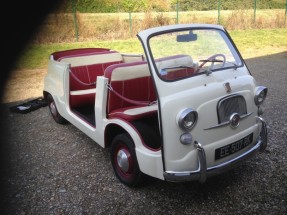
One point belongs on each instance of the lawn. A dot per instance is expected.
(26, 81)
(251, 43)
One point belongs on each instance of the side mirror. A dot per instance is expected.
(186, 37)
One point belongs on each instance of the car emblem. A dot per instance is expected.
(227, 87)
(234, 120)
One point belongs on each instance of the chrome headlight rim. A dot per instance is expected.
(182, 116)
(260, 95)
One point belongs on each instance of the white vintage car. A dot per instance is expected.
(186, 109)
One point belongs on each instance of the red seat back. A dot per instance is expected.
(131, 80)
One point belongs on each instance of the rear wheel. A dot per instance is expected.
(53, 110)
(124, 161)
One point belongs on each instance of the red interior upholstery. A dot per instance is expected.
(88, 75)
(77, 52)
(138, 89)
(179, 73)
(84, 77)
(82, 100)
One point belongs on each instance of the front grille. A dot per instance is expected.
(229, 105)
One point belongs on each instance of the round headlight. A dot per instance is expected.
(260, 95)
(187, 119)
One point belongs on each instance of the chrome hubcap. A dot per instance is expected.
(234, 120)
(123, 160)
(53, 108)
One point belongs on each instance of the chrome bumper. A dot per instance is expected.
(203, 172)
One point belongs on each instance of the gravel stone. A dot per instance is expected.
(55, 169)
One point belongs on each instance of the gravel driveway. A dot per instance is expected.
(55, 169)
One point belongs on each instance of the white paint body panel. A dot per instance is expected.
(56, 83)
(200, 93)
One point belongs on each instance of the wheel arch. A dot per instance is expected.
(149, 161)
(111, 131)
(139, 132)
(56, 114)
(45, 95)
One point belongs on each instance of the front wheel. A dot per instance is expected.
(124, 161)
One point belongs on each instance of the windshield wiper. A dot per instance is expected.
(235, 66)
(210, 69)
(176, 67)
(163, 71)
(212, 60)
(207, 71)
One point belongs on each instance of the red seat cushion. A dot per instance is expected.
(132, 113)
(82, 100)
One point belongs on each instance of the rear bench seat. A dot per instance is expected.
(86, 65)
(132, 81)
(83, 83)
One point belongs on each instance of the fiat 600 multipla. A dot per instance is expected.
(185, 109)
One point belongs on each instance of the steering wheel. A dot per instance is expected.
(212, 60)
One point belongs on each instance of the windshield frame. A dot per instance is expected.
(230, 44)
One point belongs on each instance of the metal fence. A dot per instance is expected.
(245, 14)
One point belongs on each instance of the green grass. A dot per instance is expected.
(251, 43)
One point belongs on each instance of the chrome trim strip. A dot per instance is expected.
(198, 174)
(182, 114)
(257, 93)
(254, 148)
(202, 161)
(131, 55)
(202, 172)
(263, 134)
(227, 122)
(228, 97)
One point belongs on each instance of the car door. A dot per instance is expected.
(181, 87)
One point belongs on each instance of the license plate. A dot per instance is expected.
(233, 147)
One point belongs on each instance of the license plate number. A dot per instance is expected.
(233, 147)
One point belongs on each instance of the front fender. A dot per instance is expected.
(150, 161)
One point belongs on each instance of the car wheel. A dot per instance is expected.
(124, 161)
(53, 110)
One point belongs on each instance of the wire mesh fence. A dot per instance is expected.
(73, 25)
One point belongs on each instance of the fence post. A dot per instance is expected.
(255, 12)
(131, 23)
(177, 12)
(218, 18)
(75, 20)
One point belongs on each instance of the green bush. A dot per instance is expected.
(112, 6)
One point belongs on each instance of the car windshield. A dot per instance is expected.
(183, 54)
